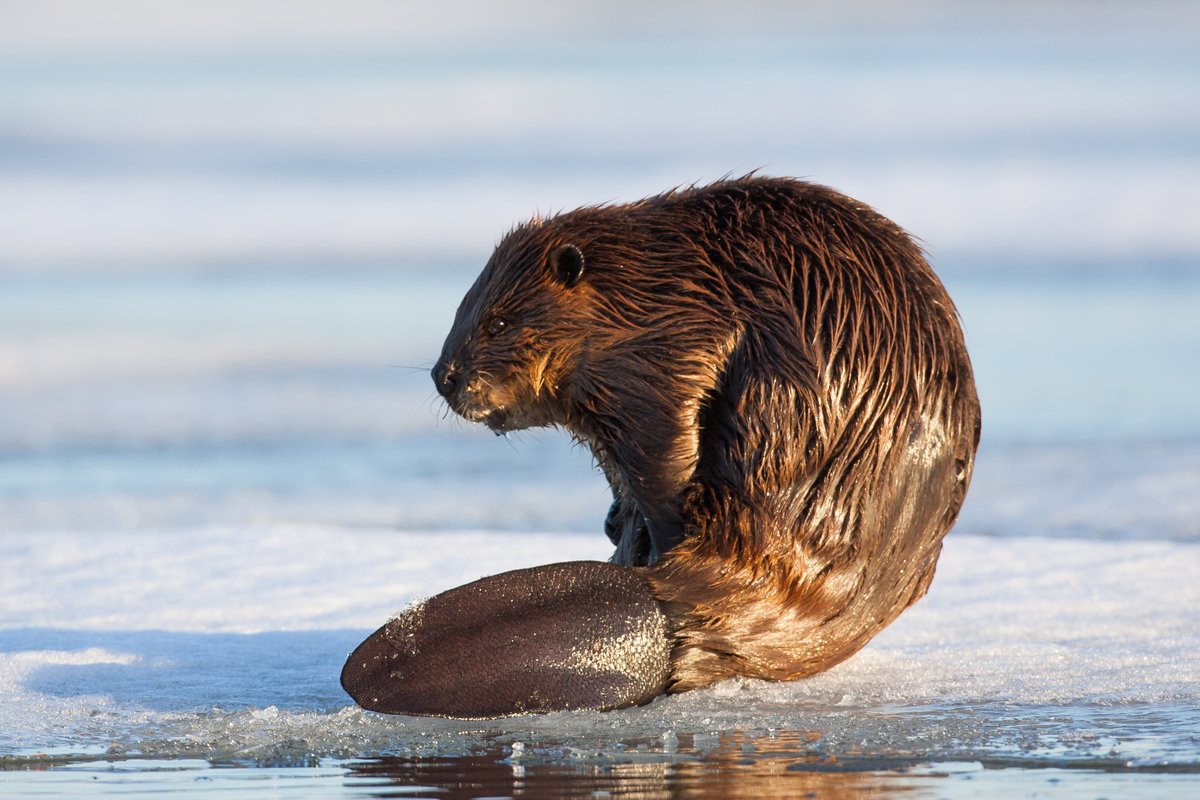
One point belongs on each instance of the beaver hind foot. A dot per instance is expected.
(576, 635)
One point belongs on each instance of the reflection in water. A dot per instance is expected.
(733, 766)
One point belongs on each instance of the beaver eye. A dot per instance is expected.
(496, 326)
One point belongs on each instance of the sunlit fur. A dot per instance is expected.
(776, 386)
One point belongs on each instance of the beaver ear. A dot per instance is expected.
(566, 262)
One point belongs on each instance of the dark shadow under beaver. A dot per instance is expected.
(776, 386)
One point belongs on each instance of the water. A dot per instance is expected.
(231, 241)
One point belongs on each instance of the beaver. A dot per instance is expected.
(777, 388)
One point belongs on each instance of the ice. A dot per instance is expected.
(233, 644)
(1120, 490)
(245, 580)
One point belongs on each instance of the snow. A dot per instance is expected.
(220, 639)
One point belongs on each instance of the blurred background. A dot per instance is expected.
(233, 236)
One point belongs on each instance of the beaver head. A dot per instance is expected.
(501, 364)
(580, 319)
(605, 322)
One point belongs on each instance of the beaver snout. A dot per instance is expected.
(471, 397)
(446, 377)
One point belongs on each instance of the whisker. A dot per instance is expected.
(431, 402)
(487, 379)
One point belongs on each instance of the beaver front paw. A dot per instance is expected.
(628, 530)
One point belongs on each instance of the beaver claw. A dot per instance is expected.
(577, 635)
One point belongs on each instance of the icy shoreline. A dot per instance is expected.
(1023, 647)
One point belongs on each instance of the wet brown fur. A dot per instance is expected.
(777, 388)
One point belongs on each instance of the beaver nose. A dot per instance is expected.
(445, 378)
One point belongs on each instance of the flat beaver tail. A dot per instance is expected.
(576, 635)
